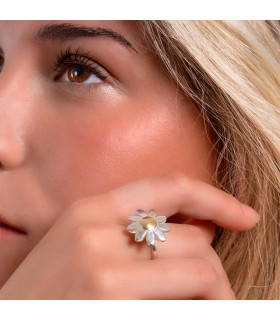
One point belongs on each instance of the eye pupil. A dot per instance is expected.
(78, 73)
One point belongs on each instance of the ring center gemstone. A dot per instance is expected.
(148, 223)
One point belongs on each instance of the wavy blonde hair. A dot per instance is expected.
(231, 69)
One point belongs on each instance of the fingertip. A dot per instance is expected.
(251, 213)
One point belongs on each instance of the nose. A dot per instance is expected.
(11, 152)
(12, 123)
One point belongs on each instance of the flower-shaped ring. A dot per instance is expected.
(147, 224)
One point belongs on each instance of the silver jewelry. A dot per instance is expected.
(148, 225)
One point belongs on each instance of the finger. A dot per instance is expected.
(208, 228)
(177, 278)
(182, 240)
(110, 242)
(185, 241)
(169, 194)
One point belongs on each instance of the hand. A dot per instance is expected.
(89, 254)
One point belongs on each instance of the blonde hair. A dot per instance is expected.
(231, 69)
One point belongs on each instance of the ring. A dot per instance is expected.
(148, 225)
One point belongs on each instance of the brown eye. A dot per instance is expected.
(78, 73)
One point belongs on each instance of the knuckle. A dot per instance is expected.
(206, 273)
(178, 180)
(79, 211)
(89, 239)
(106, 282)
(91, 280)
(83, 206)
(82, 237)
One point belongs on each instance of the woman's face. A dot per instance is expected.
(106, 116)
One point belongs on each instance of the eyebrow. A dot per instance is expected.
(67, 31)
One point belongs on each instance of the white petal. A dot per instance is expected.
(142, 213)
(135, 218)
(140, 234)
(133, 226)
(160, 234)
(152, 213)
(133, 231)
(160, 219)
(163, 227)
(150, 237)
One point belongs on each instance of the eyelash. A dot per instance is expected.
(68, 57)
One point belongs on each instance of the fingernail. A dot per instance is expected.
(250, 212)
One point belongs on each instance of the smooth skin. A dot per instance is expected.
(86, 256)
(78, 158)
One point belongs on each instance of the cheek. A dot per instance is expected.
(159, 143)
(133, 146)
(95, 155)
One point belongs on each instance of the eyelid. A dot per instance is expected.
(74, 58)
(70, 57)
(79, 55)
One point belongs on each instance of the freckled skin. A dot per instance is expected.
(58, 145)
